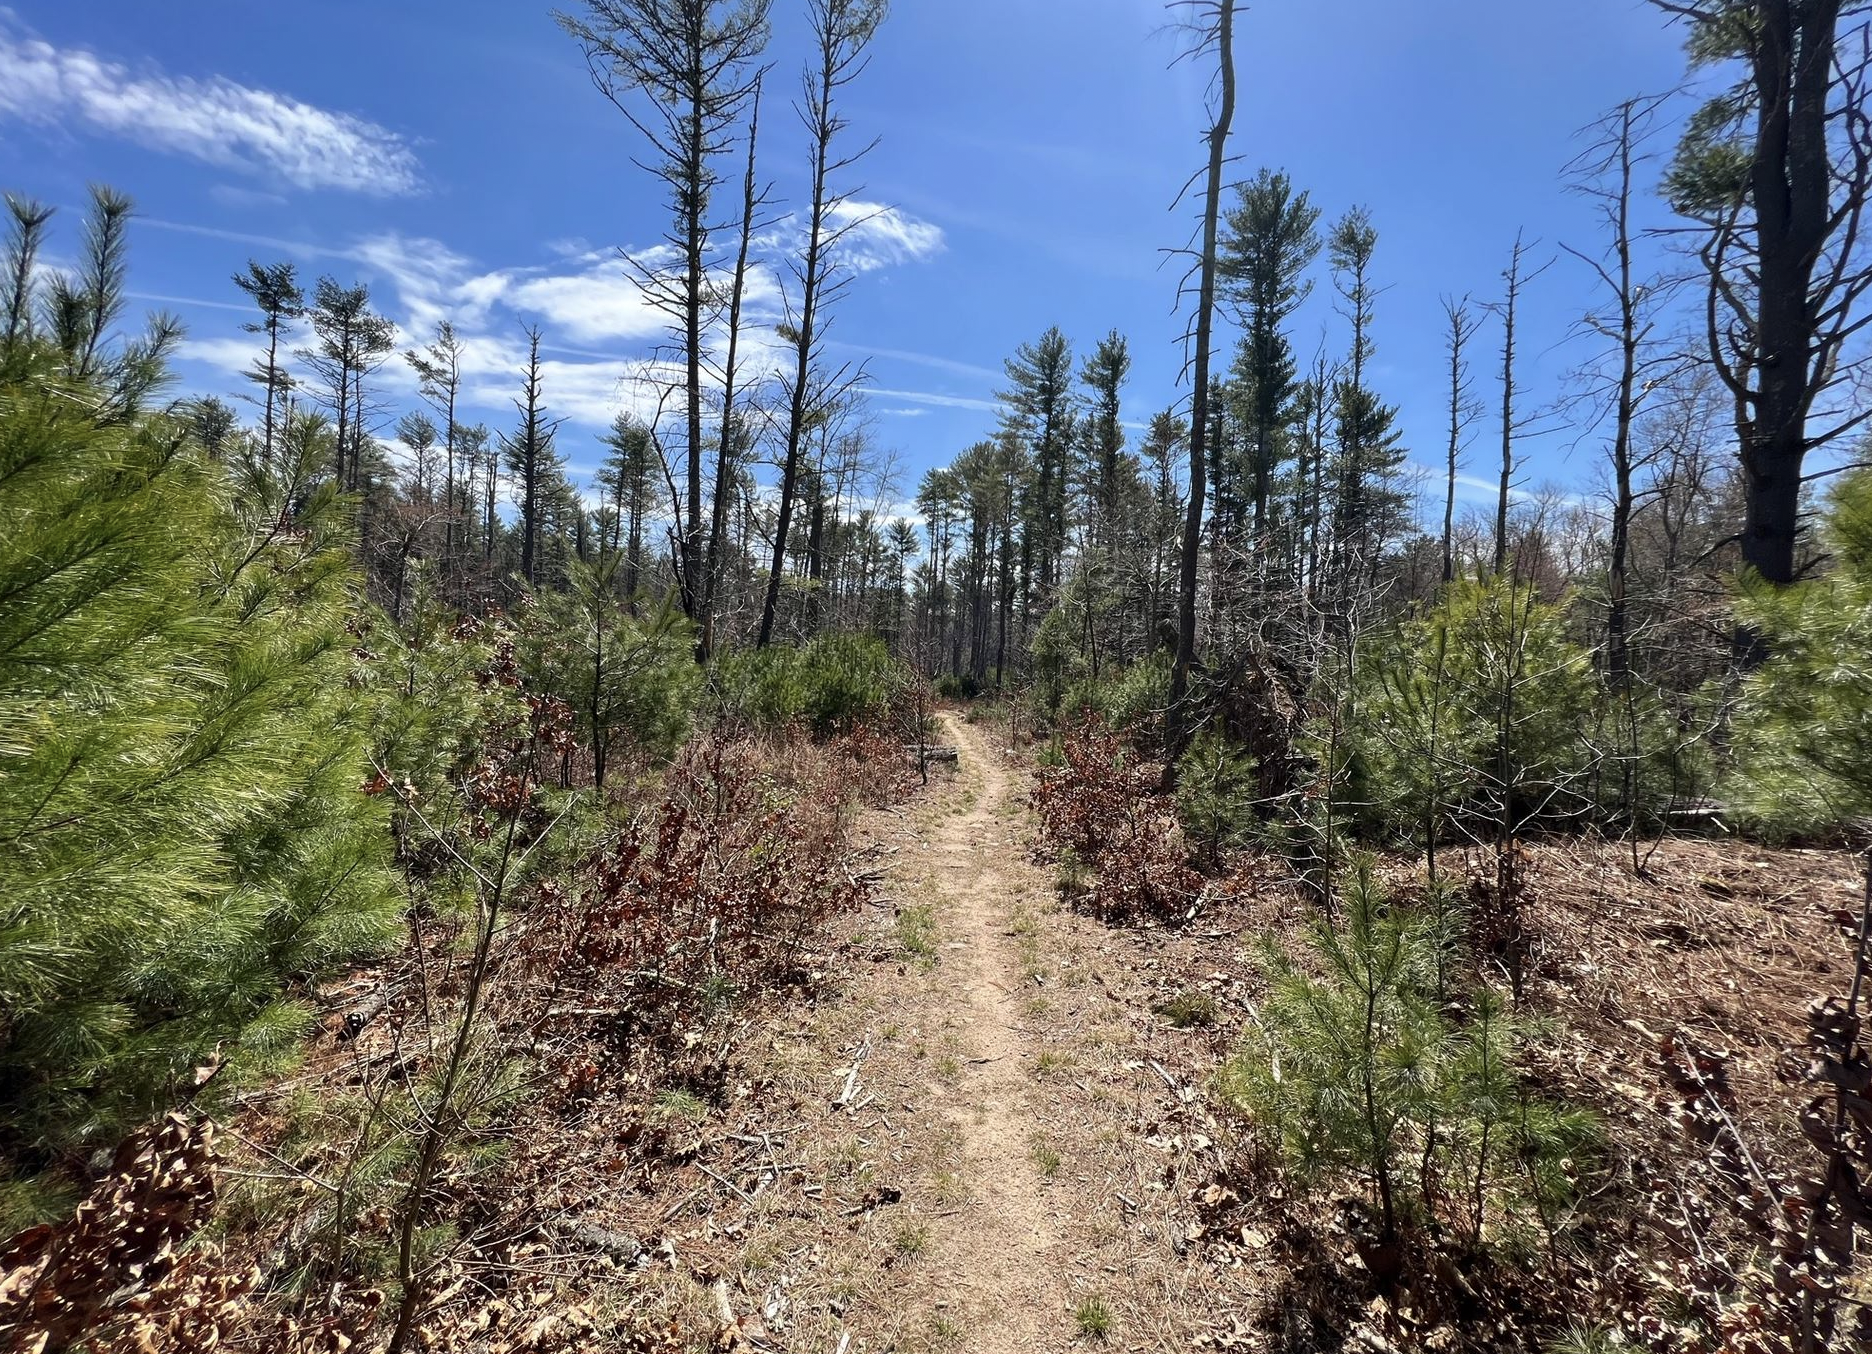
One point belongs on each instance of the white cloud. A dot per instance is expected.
(604, 342)
(433, 281)
(947, 364)
(600, 301)
(217, 121)
(874, 236)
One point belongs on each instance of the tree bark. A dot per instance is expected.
(726, 451)
(1178, 723)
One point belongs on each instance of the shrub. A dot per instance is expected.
(847, 680)
(1804, 721)
(439, 681)
(832, 684)
(1135, 699)
(1100, 808)
(1217, 795)
(712, 895)
(1475, 709)
(182, 745)
(628, 681)
(1363, 1072)
(1057, 664)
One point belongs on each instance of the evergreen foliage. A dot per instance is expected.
(1477, 706)
(1217, 795)
(1272, 239)
(436, 691)
(1058, 664)
(1358, 1065)
(627, 680)
(832, 684)
(182, 754)
(1804, 722)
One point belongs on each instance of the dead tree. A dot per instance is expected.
(842, 32)
(1462, 412)
(678, 70)
(1213, 24)
(1605, 174)
(728, 447)
(1513, 424)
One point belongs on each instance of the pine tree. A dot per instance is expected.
(530, 458)
(1354, 1068)
(438, 369)
(680, 71)
(1104, 374)
(78, 308)
(183, 750)
(1805, 719)
(1271, 240)
(626, 681)
(350, 344)
(1773, 172)
(842, 32)
(1369, 509)
(625, 479)
(276, 292)
(1162, 443)
(26, 228)
(1039, 401)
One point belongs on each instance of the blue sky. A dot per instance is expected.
(456, 156)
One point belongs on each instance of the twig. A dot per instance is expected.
(726, 1183)
(851, 1076)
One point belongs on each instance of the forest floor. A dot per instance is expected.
(992, 1129)
(986, 1122)
(972, 1140)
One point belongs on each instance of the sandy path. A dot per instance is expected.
(999, 1247)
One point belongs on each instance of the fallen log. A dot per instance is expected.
(1698, 813)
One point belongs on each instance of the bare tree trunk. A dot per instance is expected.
(1223, 34)
(695, 240)
(1618, 656)
(1461, 327)
(843, 29)
(802, 366)
(751, 198)
(1513, 276)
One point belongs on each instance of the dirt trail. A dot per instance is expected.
(997, 1248)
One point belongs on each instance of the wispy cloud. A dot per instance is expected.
(433, 281)
(1476, 489)
(947, 364)
(874, 236)
(604, 336)
(936, 400)
(422, 281)
(599, 302)
(239, 127)
(241, 199)
(190, 302)
(296, 248)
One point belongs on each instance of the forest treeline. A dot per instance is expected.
(294, 678)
